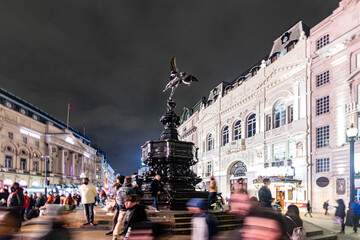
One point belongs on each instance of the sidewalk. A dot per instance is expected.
(327, 223)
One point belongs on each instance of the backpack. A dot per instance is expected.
(298, 233)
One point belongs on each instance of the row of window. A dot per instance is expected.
(23, 161)
(25, 140)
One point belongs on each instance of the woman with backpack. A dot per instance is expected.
(293, 223)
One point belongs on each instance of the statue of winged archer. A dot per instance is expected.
(177, 78)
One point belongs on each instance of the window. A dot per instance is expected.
(322, 165)
(225, 136)
(25, 140)
(208, 167)
(35, 167)
(358, 60)
(280, 114)
(322, 105)
(23, 163)
(237, 130)
(53, 149)
(279, 151)
(322, 42)
(10, 135)
(37, 144)
(291, 114)
(322, 78)
(251, 125)
(8, 161)
(268, 122)
(322, 137)
(209, 142)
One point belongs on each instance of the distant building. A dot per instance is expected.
(28, 134)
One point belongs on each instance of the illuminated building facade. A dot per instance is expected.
(28, 134)
(335, 82)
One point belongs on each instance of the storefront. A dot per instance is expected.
(286, 190)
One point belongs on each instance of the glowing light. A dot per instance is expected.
(35, 184)
(30, 133)
(22, 183)
(70, 140)
(8, 182)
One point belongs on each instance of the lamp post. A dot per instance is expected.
(352, 132)
(45, 179)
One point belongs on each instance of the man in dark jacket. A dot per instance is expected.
(135, 213)
(125, 190)
(40, 201)
(156, 189)
(355, 207)
(265, 197)
(16, 200)
(308, 208)
(56, 198)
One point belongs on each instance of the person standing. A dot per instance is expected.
(308, 208)
(88, 193)
(50, 199)
(340, 214)
(326, 207)
(16, 200)
(26, 205)
(56, 198)
(116, 186)
(125, 190)
(292, 220)
(265, 197)
(355, 207)
(156, 189)
(212, 191)
(238, 187)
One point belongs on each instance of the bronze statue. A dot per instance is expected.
(177, 77)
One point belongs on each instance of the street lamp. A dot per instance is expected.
(45, 179)
(352, 132)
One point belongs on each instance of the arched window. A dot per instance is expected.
(225, 135)
(279, 114)
(251, 125)
(209, 142)
(237, 130)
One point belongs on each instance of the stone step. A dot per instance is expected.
(323, 237)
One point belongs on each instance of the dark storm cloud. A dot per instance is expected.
(110, 59)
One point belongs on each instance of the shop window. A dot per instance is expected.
(279, 114)
(290, 194)
(23, 163)
(209, 142)
(251, 125)
(322, 78)
(322, 105)
(322, 136)
(322, 42)
(8, 161)
(237, 130)
(225, 136)
(25, 140)
(322, 165)
(10, 135)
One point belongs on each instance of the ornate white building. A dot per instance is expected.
(28, 134)
(258, 125)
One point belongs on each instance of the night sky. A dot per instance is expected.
(111, 59)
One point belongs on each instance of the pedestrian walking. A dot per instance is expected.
(326, 207)
(340, 214)
(212, 187)
(203, 223)
(56, 198)
(125, 190)
(156, 189)
(116, 186)
(355, 207)
(88, 193)
(265, 197)
(308, 208)
(293, 223)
